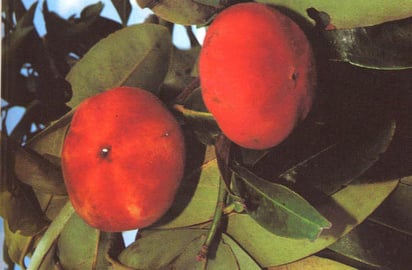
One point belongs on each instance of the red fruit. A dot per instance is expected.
(257, 74)
(122, 159)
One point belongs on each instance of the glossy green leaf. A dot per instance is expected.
(196, 198)
(373, 246)
(124, 9)
(396, 211)
(384, 46)
(178, 249)
(277, 208)
(136, 56)
(244, 260)
(339, 164)
(346, 209)
(351, 13)
(156, 249)
(187, 259)
(250, 157)
(81, 246)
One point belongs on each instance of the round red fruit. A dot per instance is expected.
(122, 159)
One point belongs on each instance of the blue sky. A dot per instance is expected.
(66, 8)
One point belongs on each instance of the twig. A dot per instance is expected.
(202, 255)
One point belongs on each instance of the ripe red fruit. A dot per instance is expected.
(122, 159)
(257, 74)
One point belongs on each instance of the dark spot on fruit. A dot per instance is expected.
(295, 75)
(216, 100)
(105, 151)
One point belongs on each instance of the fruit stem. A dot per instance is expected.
(220, 205)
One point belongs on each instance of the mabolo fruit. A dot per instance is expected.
(122, 159)
(257, 74)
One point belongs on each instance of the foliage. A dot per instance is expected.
(337, 188)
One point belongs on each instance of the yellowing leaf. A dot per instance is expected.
(313, 263)
(351, 13)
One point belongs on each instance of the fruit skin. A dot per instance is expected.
(257, 74)
(122, 159)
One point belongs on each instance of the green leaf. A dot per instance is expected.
(76, 35)
(33, 169)
(91, 12)
(83, 247)
(24, 26)
(50, 236)
(350, 13)
(198, 118)
(124, 8)
(195, 103)
(340, 163)
(396, 211)
(186, 12)
(244, 260)
(16, 245)
(345, 210)
(22, 211)
(51, 204)
(178, 249)
(136, 56)
(196, 199)
(313, 262)
(6, 258)
(49, 141)
(212, 3)
(373, 246)
(277, 208)
(187, 259)
(384, 46)
(179, 74)
(156, 249)
(49, 261)
(19, 8)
